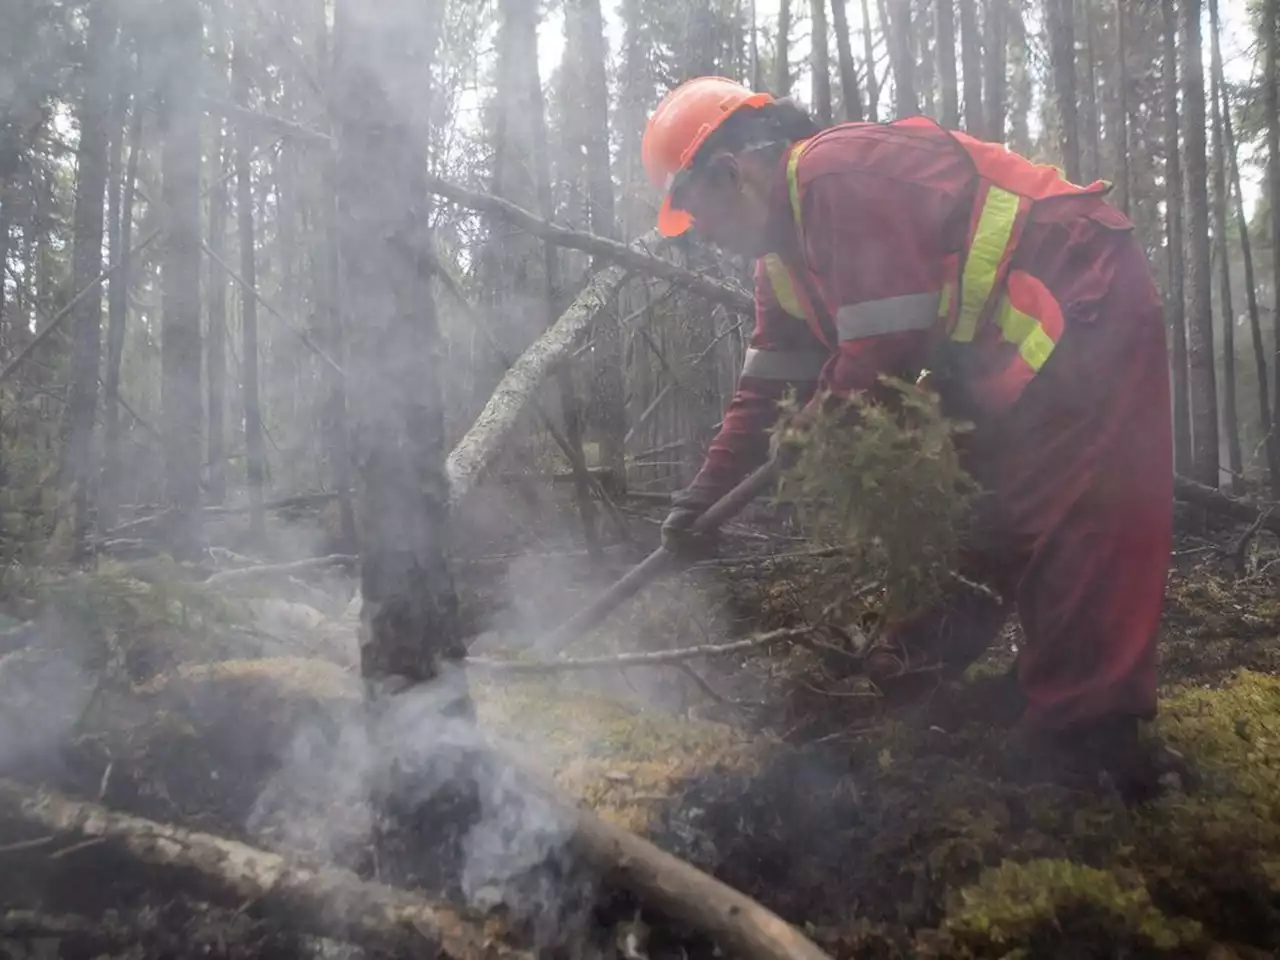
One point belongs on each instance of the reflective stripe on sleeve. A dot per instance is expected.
(915, 311)
(783, 364)
(986, 251)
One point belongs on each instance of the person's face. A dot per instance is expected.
(728, 204)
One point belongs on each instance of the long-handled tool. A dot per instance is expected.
(661, 560)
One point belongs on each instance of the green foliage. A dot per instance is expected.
(884, 481)
(1042, 902)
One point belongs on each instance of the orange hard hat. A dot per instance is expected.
(678, 127)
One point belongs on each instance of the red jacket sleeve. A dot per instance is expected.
(875, 246)
(783, 355)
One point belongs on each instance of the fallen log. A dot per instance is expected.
(226, 578)
(476, 452)
(1218, 502)
(324, 900)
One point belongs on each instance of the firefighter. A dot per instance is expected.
(894, 248)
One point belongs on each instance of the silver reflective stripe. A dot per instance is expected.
(915, 311)
(783, 364)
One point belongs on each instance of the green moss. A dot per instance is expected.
(1020, 909)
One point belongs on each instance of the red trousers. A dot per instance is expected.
(1076, 531)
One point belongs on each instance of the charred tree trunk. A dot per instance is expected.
(1019, 81)
(1091, 146)
(1201, 367)
(1173, 245)
(782, 55)
(1230, 419)
(117, 313)
(944, 16)
(995, 52)
(382, 107)
(1120, 121)
(216, 329)
(1060, 24)
(255, 453)
(922, 40)
(971, 49)
(179, 83)
(850, 95)
(86, 265)
(821, 62)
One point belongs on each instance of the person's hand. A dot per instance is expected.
(678, 536)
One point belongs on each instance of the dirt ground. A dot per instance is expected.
(779, 772)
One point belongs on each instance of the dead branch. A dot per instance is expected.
(654, 658)
(324, 900)
(1240, 551)
(633, 256)
(277, 125)
(476, 452)
(231, 577)
(1219, 503)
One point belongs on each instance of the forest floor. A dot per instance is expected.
(232, 709)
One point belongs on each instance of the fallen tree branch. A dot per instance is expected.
(477, 451)
(324, 900)
(632, 256)
(653, 658)
(229, 577)
(1205, 496)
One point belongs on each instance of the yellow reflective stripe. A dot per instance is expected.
(995, 227)
(780, 279)
(944, 303)
(793, 182)
(1034, 345)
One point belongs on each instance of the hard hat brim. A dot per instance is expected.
(673, 222)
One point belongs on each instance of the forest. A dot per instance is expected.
(345, 383)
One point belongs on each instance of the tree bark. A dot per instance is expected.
(1060, 23)
(944, 16)
(996, 56)
(782, 56)
(1173, 244)
(255, 452)
(869, 51)
(1271, 100)
(971, 48)
(1019, 81)
(216, 329)
(179, 80)
(1201, 367)
(898, 33)
(1271, 443)
(86, 263)
(1120, 122)
(1091, 145)
(850, 95)
(820, 62)
(1221, 201)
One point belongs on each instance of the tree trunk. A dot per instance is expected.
(610, 399)
(86, 265)
(850, 95)
(971, 49)
(216, 329)
(1060, 24)
(1271, 100)
(117, 312)
(924, 58)
(944, 15)
(255, 454)
(381, 97)
(1091, 145)
(821, 62)
(869, 51)
(897, 25)
(179, 83)
(1230, 419)
(1120, 122)
(1173, 245)
(996, 44)
(1270, 440)
(1201, 367)
(782, 56)
(1019, 81)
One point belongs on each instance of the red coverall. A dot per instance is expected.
(1077, 457)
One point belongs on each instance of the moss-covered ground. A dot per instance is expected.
(883, 836)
